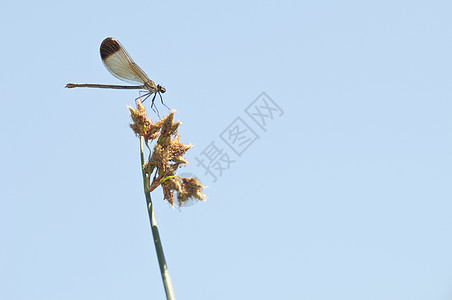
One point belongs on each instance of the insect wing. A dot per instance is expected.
(119, 63)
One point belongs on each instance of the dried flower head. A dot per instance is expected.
(166, 157)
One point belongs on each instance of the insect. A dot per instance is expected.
(119, 63)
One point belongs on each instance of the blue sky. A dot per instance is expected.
(345, 193)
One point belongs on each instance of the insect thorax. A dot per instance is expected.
(150, 86)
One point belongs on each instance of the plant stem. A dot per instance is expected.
(155, 233)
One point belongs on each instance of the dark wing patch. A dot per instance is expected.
(108, 47)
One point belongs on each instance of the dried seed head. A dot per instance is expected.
(168, 127)
(170, 186)
(166, 157)
(159, 159)
(185, 188)
(192, 188)
(141, 125)
(177, 150)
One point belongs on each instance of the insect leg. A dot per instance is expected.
(161, 100)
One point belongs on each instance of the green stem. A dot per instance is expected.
(155, 233)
